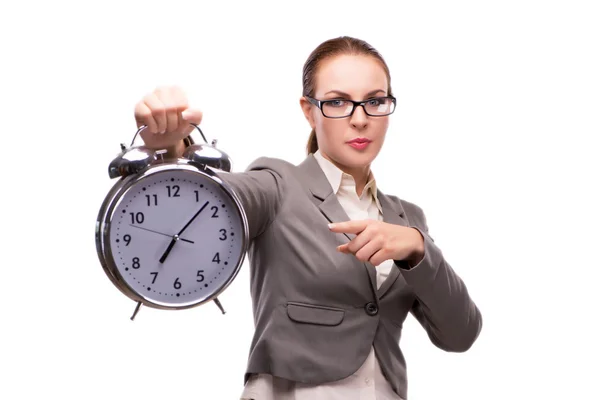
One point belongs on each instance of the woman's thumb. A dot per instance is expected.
(192, 116)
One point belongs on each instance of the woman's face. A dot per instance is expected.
(353, 77)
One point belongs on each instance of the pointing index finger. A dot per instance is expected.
(348, 226)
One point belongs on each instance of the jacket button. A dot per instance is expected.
(371, 308)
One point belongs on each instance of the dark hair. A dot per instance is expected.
(330, 48)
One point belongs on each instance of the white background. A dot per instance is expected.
(495, 137)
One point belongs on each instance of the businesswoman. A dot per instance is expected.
(329, 301)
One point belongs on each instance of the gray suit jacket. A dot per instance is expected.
(318, 311)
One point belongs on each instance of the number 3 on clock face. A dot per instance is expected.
(176, 238)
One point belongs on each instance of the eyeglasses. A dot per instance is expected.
(342, 108)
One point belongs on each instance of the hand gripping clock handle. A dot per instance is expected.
(141, 128)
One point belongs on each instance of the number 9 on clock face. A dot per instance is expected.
(172, 238)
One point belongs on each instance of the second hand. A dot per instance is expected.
(160, 233)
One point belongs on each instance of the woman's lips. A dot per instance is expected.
(359, 145)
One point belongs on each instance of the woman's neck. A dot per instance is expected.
(361, 175)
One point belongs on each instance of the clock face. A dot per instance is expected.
(176, 237)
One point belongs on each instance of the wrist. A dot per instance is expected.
(176, 150)
(418, 249)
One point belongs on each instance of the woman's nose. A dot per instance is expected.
(359, 118)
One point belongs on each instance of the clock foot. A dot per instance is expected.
(137, 308)
(219, 305)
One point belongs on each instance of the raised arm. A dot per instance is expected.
(166, 114)
(260, 190)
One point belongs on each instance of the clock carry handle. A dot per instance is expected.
(134, 159)
(141, 128)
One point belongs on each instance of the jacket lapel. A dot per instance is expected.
(314, 179)
(323, 197)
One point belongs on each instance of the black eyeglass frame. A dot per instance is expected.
(319, 103)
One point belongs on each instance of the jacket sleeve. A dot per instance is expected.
(260, 190)
(443, 306)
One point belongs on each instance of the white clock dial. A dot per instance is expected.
(176, 237)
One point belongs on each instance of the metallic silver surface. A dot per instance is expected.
(105, 217)
(131, 161)
(206, 154)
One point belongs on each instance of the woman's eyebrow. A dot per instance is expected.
(371, 93)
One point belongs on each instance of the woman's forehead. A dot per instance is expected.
(356, 75)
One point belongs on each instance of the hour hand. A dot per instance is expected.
(169, 248)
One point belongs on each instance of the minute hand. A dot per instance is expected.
(193, 218)
(176, 237)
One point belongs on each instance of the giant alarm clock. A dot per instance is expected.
(170, 233)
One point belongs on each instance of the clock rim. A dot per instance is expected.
(106, 216)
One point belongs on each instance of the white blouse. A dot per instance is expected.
(368, 382)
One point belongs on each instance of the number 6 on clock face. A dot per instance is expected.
(174, 236)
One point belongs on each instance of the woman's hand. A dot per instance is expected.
(166, 114)
(377, 241)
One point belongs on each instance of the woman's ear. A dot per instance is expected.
(307, 110)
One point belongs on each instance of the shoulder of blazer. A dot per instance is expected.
(413, 213)
(281, 167)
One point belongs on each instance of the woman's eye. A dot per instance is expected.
(375, 102)
(338, 103)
